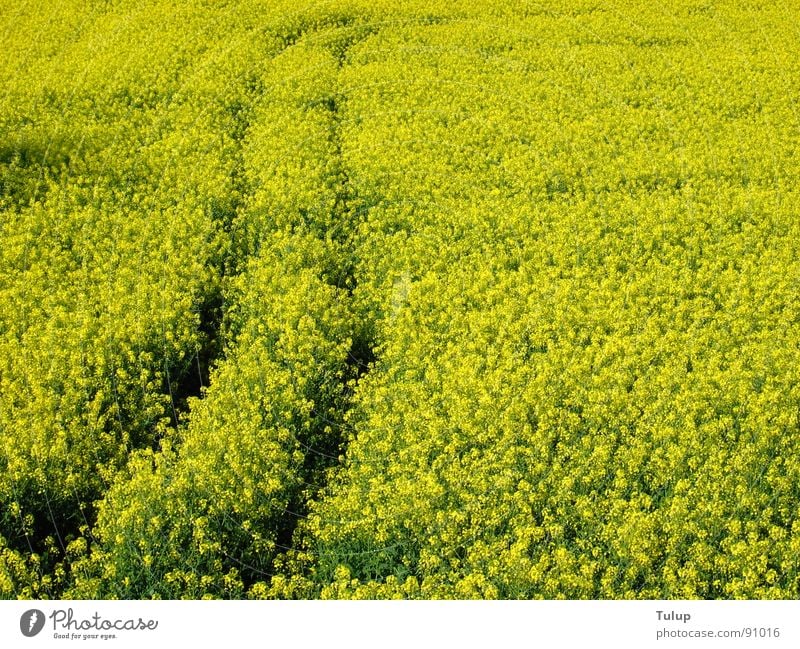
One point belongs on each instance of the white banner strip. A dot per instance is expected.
(412, 625)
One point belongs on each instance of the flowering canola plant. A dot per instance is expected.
(399, 300)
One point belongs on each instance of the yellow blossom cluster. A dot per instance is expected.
(400, 300)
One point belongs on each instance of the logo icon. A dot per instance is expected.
(31, 622)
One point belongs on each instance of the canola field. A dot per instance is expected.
(400, 299)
